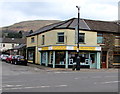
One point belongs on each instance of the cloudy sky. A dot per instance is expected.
(13, 11)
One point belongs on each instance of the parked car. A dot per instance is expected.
(9, 59)
(19, 60)
(3, 57)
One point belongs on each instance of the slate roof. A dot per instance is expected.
(13, 40)
(20, 46)
(102, 26)
(85, 24)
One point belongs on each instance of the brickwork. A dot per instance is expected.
(109, 41)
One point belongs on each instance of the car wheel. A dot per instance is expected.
(15, 62)
(11, 62)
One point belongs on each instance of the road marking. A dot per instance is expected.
(61, 85)
(110, 82)
(44, 86)
(33, 87)
(64, 72)
(18, 85)
(11, 85)
(12, 88)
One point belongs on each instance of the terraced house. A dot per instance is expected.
(55, 45)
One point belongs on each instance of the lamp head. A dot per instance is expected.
(77, 7)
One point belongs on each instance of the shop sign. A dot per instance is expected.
(70, 48)
(59, 47)
(89, 48)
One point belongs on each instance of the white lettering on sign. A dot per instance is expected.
(39, 49)
(50, 48)
(70, 47)
(98, 48)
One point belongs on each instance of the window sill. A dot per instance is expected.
(100, 43)
(81, 43)
(60, 43)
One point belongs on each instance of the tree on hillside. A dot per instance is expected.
(31, 31)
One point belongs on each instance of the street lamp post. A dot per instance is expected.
(78, 57)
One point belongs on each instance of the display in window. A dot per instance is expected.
(60, 57)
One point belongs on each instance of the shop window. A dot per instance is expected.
(61, 37)
(81, 37)
(43, 39)
(84, 58)
(32, 40)
(31, 55)
(100, 38)
(60, 58)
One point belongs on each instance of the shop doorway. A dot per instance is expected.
(43, 58)
(93, 63)
(104, 54)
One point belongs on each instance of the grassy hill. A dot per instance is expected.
(28, 25)
(25, 26)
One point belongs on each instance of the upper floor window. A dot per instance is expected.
(117, 40)
(61, 37)
(81, 37)
(32, 40)
(3, 45)
(12, 45)
(117, 36)
(100, 38)
(43, 39)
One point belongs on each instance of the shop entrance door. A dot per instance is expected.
(104, 54)
(43, 58)
(93, 63)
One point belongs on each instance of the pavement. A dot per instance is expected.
(70, 69)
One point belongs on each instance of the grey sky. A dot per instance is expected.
(20, 10)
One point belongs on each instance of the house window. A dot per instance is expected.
(117, 40)
(81, 37)
(12, 45)
(100, 38)
(61, 37)
(32, 40)
(3, 45)
(43, 39)
(117, 36)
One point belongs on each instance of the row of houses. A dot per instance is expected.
(55, 45)
(13, 46)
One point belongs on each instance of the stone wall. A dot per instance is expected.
(109, 41)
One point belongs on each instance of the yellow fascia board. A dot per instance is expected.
(58, 47)
(86, 48)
